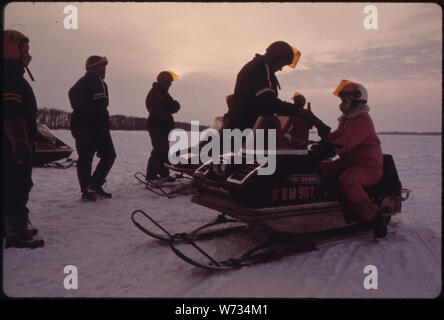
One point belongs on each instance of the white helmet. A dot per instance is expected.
(354, 90)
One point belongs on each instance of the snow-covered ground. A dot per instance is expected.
(115, 259)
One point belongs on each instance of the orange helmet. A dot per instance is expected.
(167, 76)
(354, 90)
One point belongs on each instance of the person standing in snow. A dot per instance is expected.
(19, 108)
(360, 162)
(90, 128)
(160, 106)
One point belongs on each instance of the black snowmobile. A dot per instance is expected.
(49, 149)
(299, 208)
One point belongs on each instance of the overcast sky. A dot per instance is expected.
(207, 44)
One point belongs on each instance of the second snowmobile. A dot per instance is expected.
(49, 148)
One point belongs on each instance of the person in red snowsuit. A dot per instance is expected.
(360, 162)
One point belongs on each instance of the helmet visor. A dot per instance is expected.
(296, 56)
(175, 76)
(346, 87)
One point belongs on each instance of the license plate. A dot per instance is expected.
(300, 192)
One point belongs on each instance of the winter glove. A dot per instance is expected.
(329, 149)
(324, 150)
(18, 135)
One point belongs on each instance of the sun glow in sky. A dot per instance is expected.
(207, 44)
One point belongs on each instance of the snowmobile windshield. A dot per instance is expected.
(278, 134)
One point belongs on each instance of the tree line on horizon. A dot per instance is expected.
(59, 119)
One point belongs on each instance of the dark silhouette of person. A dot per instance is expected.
(19, 108)
(91, 129)
(160, 106)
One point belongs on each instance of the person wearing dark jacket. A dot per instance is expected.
(160, 106)
(256, 89)
(90, 128)
(19, 109)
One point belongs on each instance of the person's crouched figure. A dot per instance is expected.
(360, 162)
(160, 106)
(296, 131)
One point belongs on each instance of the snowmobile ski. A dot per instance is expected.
(164, 187)
(275, 247)
(199, 233)
(68, 163)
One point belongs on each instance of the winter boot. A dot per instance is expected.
(31, 229)
(23, 241)
(99, 191)
(378, 226)
(88, 195)
(18, 235)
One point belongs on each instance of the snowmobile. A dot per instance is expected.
(298, 207)
(183, 184)
(49, 149)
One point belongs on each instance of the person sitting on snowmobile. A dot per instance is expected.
(160, 106)
(296, 131)
(360, 162)
(19, 108)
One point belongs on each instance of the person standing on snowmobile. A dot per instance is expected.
(256, 89)
(361, 161)
(160, 106)
(90, 128)
(296, 131)
(19, 132)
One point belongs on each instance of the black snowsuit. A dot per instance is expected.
(255, 94)
(18, 102)
(90, 128)
(160, 106)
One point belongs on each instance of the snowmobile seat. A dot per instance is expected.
(389, 183)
